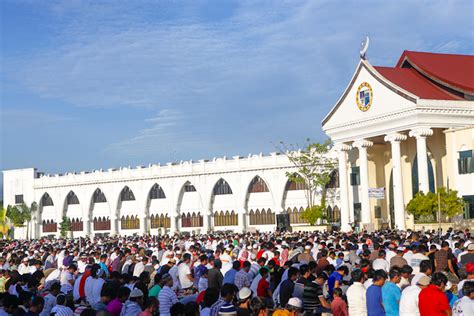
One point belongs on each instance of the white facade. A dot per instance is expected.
(397, 131)
(174, 180)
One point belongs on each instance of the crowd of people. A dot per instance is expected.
(226, 273)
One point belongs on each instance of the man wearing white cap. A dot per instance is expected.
(409, 298)
(293, 308)
(132, 306)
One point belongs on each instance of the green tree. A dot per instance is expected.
(4, 223)
(424, 207)
(19, 215)
(314, 167)
(65, 226)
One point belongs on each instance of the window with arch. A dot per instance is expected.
(158, 221)
(157, 192)
(222, 187)
(261, 217)
(101, 223)
(46, 200)
(329, 215)
(189, 188)
(127, 195)
(296, 185)
(99, 196)
(333, 180)
(72, 198)
(257, 185)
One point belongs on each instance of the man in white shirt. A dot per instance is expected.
(390, 252)
(50, 299)
(93, 286)
(417, 257)
(409, 298)
(356, 294)
(381, 263)
(465, 305)
(140, 266)
(23, 266)
(67, 279)
(184, 272)
(426, 269)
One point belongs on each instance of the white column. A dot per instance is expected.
(422, 158)
(399, 204)
(362, 146)
(86, 225)
(343, 186)
(242, 223)
(143, 224)
(205, 219)
(173, 224)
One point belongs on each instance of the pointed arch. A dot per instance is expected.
(333, 180)
(98, 196)
(257, 185)
(46, 200)
(222, 187)
(252, 217)
(71, 198)
(329, 214)
(126, 194)
(295, 185)
(156, 192)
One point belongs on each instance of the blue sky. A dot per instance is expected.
(98, 84)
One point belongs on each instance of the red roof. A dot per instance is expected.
(450, 70)
(412, 81)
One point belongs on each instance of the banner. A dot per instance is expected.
(377, 193)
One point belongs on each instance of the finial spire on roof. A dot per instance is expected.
(363, 47)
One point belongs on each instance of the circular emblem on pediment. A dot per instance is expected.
(364, 96)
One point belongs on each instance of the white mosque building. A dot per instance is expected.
(222, 194)
(396, 131)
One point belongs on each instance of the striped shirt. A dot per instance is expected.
(311, 294)
(167, 298)
(216, 307)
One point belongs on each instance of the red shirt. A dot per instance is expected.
(432, 301)
(262, 288)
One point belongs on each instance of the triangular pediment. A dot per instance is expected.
(368, 96)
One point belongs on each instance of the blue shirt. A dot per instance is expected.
(374, 301)
(391, 298)
(335, 276)
(230, 276)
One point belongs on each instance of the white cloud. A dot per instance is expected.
(241, 75)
